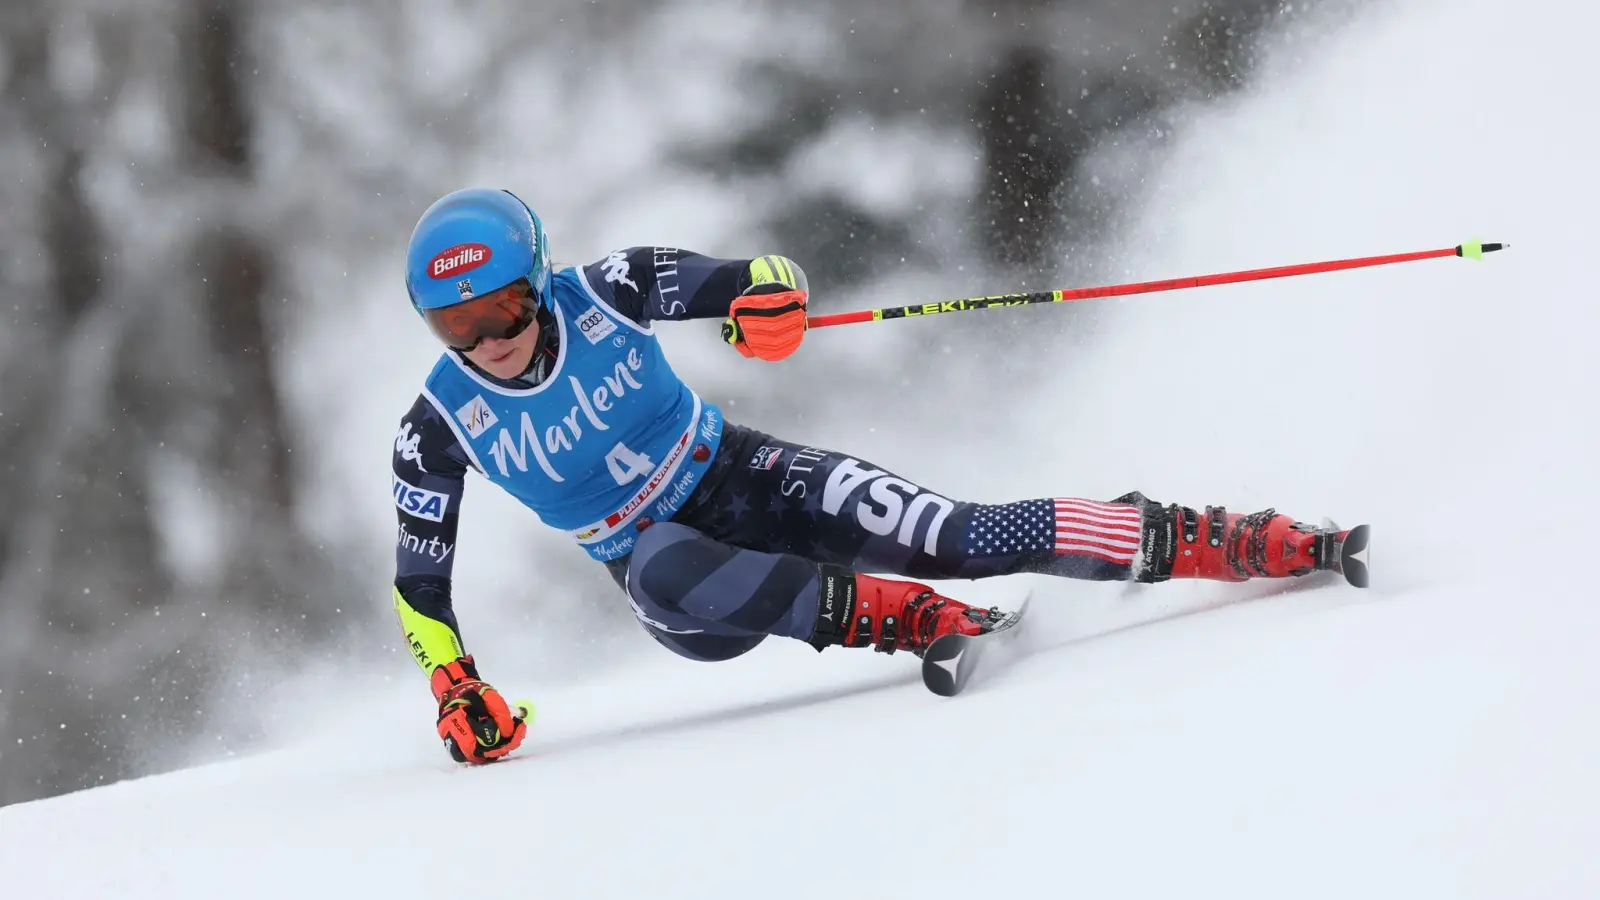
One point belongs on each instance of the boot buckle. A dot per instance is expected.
(1216, 523)
(1190, 521)
(889, 636)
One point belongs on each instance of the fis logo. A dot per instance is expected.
(414, 501)
(476, 417)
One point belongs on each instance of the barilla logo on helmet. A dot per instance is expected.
(452, 261)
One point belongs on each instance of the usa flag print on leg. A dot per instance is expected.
(1066, 536)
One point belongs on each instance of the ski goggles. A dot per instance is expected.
(503, 313)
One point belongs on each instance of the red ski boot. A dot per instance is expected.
(858, 610)
(1223, 546)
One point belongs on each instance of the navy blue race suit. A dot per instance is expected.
(739, 560)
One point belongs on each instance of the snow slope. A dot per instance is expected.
(1432, 737)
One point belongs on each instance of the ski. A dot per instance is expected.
(1352, 554)
(950, 661)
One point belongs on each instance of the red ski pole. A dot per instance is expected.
(1472, 250)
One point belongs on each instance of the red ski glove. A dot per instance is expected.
(474, 720)
(767, 321)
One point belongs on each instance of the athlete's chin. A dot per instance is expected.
(505, 359)
(510, 365)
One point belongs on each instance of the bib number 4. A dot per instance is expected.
(626, 465)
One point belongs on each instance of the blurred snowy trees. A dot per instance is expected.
(206, 200)
(150, 537)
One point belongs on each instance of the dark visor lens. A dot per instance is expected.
(503, 314)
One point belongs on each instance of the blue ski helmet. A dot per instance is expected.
(474, 241)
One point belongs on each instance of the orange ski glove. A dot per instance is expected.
(475, 722)
(768, 320)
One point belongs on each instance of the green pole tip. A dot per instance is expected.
(1475, 248)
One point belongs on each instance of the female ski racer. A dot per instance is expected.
(553, 386)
